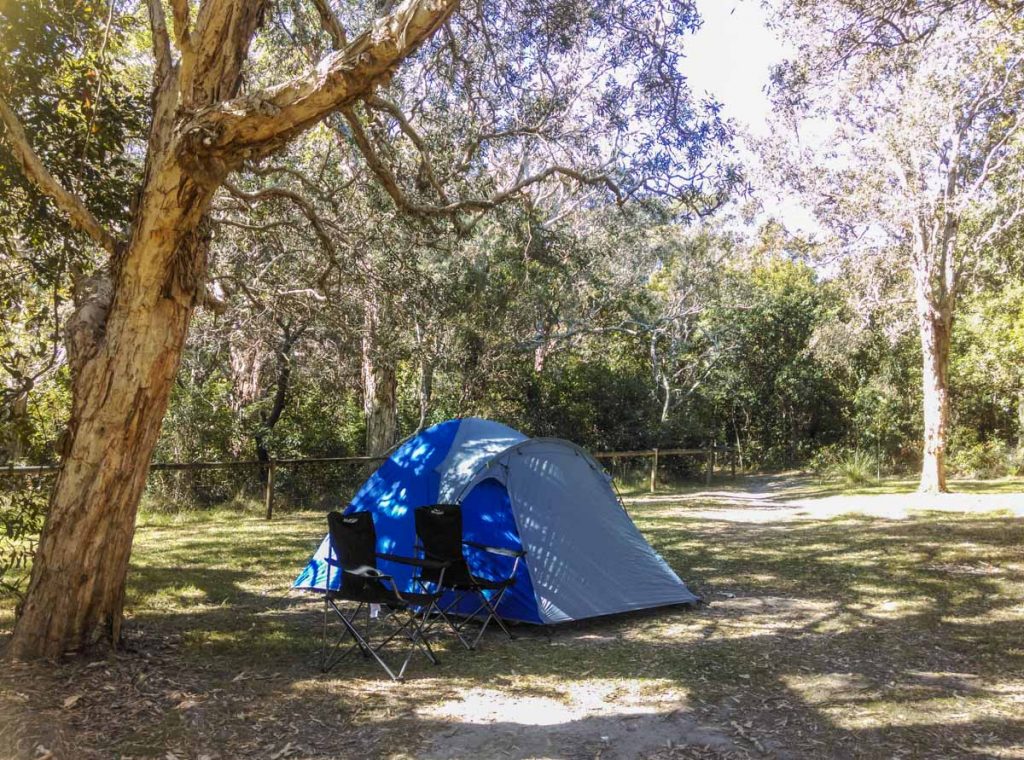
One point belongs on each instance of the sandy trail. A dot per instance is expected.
(780, 499)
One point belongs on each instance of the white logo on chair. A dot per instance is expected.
(350, 520)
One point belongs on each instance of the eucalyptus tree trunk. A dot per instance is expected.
(426, 390)
(245, 365)
(935, 334)
(935, 286)
(125, 341)
(380, 381)
(17, 425)
(282, 384)
(1020, 420)
(120, 393)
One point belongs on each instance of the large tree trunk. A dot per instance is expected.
(935, 287)
(121, 391)
(935, 355)
(380, 382)
(126, 342)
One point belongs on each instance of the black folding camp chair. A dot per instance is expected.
(439, 530)
(401, 614)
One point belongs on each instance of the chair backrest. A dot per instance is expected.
(439, 527)
(355, 545)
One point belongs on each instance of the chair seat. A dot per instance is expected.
(381, 595)
(439, 531)
(474, 582)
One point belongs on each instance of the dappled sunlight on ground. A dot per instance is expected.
(874, 634)
(566, 700)
(914, 699)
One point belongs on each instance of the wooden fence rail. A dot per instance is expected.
(710, 455)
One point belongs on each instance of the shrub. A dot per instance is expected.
(983, 459)
(856, 468)
(23, 503)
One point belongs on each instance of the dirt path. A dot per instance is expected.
(786, 498)
(597, 721)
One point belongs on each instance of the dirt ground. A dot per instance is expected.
(836, 625)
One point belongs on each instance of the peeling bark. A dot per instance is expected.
(129, 349)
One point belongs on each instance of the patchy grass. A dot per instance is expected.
(849, 637)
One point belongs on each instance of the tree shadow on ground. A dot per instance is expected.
(852, 638)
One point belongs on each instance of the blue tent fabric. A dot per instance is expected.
(410, 478)
(584, 555)
(487, 518)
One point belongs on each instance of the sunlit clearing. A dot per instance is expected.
(560, 701)
(915, 698)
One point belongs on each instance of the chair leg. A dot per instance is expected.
(451, 624)
(329, 657)
(416, 627)
(492, 614)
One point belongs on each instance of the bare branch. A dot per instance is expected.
(331, 23)
(79, 216)
(183, 38)
(384, 104)
(390, 183)
(384, 174)
(304, 205)
(161, 42)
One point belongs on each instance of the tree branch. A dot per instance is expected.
(161, 42)
(183, 37)
(388, 106)
(79, 216)
(304, 206)
(331, 23)
(255, 125)
(390, 184)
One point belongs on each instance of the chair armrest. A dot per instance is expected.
(365, 571)
(496, 549)
(414, 561)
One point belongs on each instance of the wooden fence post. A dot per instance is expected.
(711, 465)
(269, 496)
(654, 469)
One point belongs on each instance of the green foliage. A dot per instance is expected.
(986, 459)
(770, 388)
(23, 502)
(972, 456)
(988, 365)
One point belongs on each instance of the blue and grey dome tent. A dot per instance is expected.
(585, 557)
